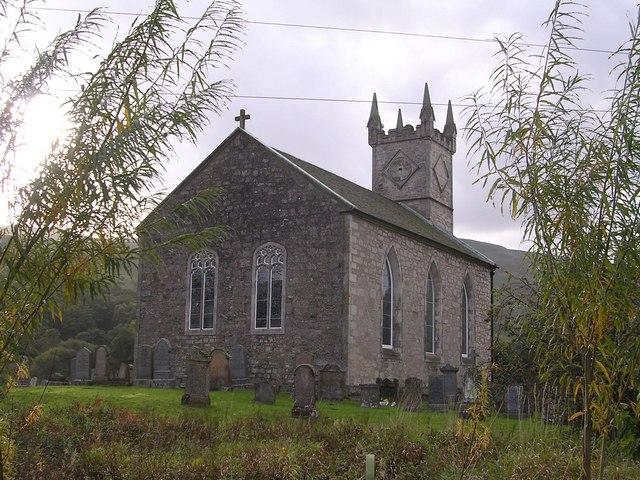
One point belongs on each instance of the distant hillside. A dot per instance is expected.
(510, 262)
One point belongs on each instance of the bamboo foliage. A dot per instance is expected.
(570, 173)
(73, 225)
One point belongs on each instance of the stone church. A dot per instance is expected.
(373, 281)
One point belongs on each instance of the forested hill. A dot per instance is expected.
(510, 262)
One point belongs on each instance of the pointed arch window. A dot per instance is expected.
(202, 291)
(387, 306)
(430, 317)
(270, 265)
(464, 321)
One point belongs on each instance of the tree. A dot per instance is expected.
(571, 174)
(72, 226)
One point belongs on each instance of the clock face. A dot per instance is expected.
(441, 173)
(400, 169)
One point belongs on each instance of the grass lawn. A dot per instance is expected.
(239, 403)
(141, 433)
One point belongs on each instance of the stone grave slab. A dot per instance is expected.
(304, 392)
(238, 366)
(264, 393)
(100, 374)
(389, 389)
(196, 391)
(144, 366)
(332, 383)
(220, 370)
(513, 403)
(411, 399)
(83, 365)
(370, 395)
(437, 400)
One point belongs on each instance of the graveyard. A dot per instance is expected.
(137, 432)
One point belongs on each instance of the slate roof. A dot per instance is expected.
(381, 208)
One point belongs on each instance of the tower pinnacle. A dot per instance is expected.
(399, 124)
(427, 116)
(450, 129)
(374, 117)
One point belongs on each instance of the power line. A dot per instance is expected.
(342, 29)
(346, 100)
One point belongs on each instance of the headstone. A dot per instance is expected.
(304, 358)
(370, 395)
(450, 383)
(196, 390)
(389, 389)
(83, 364)
(220, 370)
(161, 360)
(469, 394)
(469, 391)
(144, 365)
(101, 365)
(304, 392)
(437, 401)
(123, 373)
(264, 393)
(514, 401)
(411, 400)
(332, 383)
(33, 381)
(238, 366)
(72, 369)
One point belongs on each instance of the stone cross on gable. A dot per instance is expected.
(242, 118)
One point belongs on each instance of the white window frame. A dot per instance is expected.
(432, 349)
(254, 296)
(213, 257)
(465, 332)
(391, 316)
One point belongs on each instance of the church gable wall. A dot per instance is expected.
(369, 244)
(264, 200)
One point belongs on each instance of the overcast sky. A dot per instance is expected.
(281, 61)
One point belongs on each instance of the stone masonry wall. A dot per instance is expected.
(369, 244)
(264, 200)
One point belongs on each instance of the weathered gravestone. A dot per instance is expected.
(332, 383)
(370, 395)
(220, 370)
(100, 375)
(264, 393)
(437, 401)
(33, 381)
(83, 364)
(411, 400)
(238, 366)
(389, 389)
(72, 369)
(196, 390)
(450, 383)
(144, 366)
(162, 364)
(469, 395)
(304, 392)
(514, 401)
(123, 374)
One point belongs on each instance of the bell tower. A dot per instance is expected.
(414, 166)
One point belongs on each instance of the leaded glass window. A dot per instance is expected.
(269, 285)
(464, 321)
(387, 306)
(202, 291)
(430, 320)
